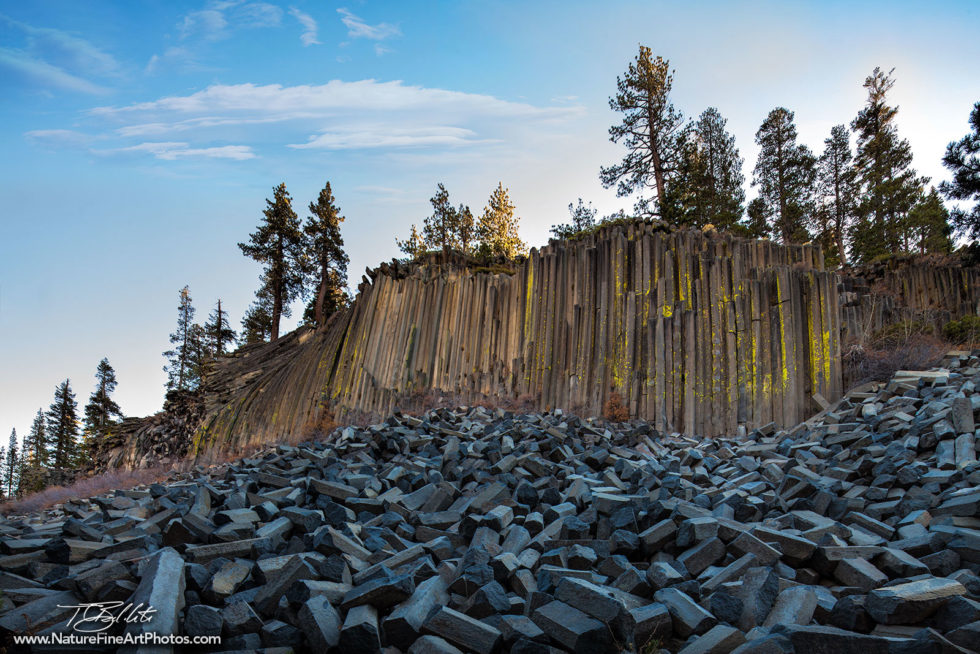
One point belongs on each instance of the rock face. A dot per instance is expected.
(697, 333)
(484, 531)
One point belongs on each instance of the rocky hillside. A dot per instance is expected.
(473, 530)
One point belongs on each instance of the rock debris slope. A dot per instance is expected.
(482, 531)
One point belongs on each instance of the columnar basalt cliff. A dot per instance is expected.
(699, 333)
(906, 289)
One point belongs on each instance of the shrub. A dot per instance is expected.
(965, 331)
(878, 362)
(900, 333)
(614, 410)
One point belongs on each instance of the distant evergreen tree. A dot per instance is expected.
(184, 359)
(889, 186)
(466, 229)
(929, 227)
(498, 227)
(838, 189)
(3, 471)
(11, 465)
(414, 245)
(278, 243)
(37, 452)
(202, 357)
(583, 218)
(756, 223)
(63, 426)
(963, 160)
(101, 410)
(257, 321)
(218, 333)
(785, 173)
(650, 130)
(709, 187)
(441, 229)
(328, 271)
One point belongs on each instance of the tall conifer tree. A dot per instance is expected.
(650, 131)
(963, 160)
(278, 244)
(11, 466)
(785, 173)
(218, 333)
(498, 226)
(63, 426)
(183, 360)
(37, 452)
(838, 190)
(328, 272)
(709, 187)
(889, 186)
(101, 410)
(929, 227)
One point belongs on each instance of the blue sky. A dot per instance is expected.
(140, 139)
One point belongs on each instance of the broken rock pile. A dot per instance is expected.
(474, 530)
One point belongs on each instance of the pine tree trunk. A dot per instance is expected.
(276, 313)
(321, 296)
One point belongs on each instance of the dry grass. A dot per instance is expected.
(87, 487)
(315, 428)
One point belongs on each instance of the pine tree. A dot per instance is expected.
(649, 130)
(837, 189)
(326, 252)
(583, 218)
(37, 452)
(889, 186)
(278, 243)
(441, 229)
(962, 158)
(63, 426)
(498, 227)
(755, 224)
(708, 187)
(929, 225)
(257, 321)
(785, 173)
(184, 359)
(101, 408)
(414, 245)
(11, 465)
(466, 229)
(218, 332)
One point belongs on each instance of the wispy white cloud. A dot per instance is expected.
(216, 21)
(357, 28)
(381, 50)
(172, 150)
(205, 23)
(60, 138)
(385, 136)
(219, 19)
(338, 115)
(21, 65)
(309, 35)
(56, 59)
(325, 100)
